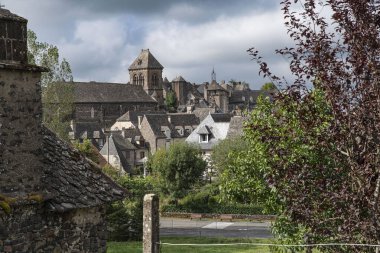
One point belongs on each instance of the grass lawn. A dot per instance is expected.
(136, 247)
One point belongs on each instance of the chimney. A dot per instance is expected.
(139, 120)
(21, 136)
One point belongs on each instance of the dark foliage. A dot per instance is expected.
(335, 198)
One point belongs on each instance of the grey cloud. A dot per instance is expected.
(153, 9)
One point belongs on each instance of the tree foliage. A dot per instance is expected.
(171, 101)
(57, 89)
(125, 218)
(177, 169)
(87, 149)
(220, 158)
(269, 87)
(324, 160)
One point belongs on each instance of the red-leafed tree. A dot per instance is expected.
(332, 186)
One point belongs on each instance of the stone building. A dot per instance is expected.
(105, 102)
(52, 199)
(161, 130)
(146, 71)
(125, 150)
(210, 131)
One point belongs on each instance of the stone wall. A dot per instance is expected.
(148, 135)
(108, 112)
(20, 132)
(31, 228)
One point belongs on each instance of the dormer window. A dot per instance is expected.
(204, 134)
(203, 138)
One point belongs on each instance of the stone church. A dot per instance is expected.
(52, 199)
(104, 103)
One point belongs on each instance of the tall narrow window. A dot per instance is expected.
(92, 112)
(154, 80)
(135, 79)
(141, 80)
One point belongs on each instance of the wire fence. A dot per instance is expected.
(275, 245)
(237, 229)
(214, 228)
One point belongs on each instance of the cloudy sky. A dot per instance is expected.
(100, 39)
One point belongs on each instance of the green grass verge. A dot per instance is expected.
(136, 247)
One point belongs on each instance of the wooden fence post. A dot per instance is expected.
(151, 224)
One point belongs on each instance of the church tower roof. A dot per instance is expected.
(145, 61)
(179, 79)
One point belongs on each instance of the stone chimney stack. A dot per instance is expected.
(139, 121)
(20, 111)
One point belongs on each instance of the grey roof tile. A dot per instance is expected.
(221, 117)
(145, 60)
(73, 180)
(93, 92)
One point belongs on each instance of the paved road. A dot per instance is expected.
(214, 228)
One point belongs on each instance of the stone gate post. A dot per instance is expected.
(151, 223)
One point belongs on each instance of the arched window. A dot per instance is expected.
(154, 80)
(135, 79)
(141, 79)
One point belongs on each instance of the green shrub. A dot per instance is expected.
(125, 217)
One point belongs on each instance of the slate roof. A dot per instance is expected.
(115, 145)
(215, 86)
(236, 126)
(132, 116)
(6, 14)
(244, 96)
(201, 88)
(204, 130)
(202, 113)
(183, 119)
(214, 124)
(94, 92)
(74, 181)
(157, 121)
(179, 79)
(145, 60)
(221, 117)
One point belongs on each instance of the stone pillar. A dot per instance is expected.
(151, 224)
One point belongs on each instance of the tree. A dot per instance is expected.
(177, 169)
(125, 218)
(324, 163)
(88, 150)
(171, 101)
(220, 159)
(269, 87)
(57, 89)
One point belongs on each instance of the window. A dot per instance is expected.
(179, 131)
(203, 138)
(92, 112)
(142, 154)
(154, 80)
(141, 79)
(135, 79)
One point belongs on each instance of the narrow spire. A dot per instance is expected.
(213, 75)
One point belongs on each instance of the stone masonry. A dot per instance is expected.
(52, 199)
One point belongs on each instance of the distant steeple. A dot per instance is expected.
(213, 75)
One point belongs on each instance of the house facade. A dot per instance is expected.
(52, 199)
(214, 128)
